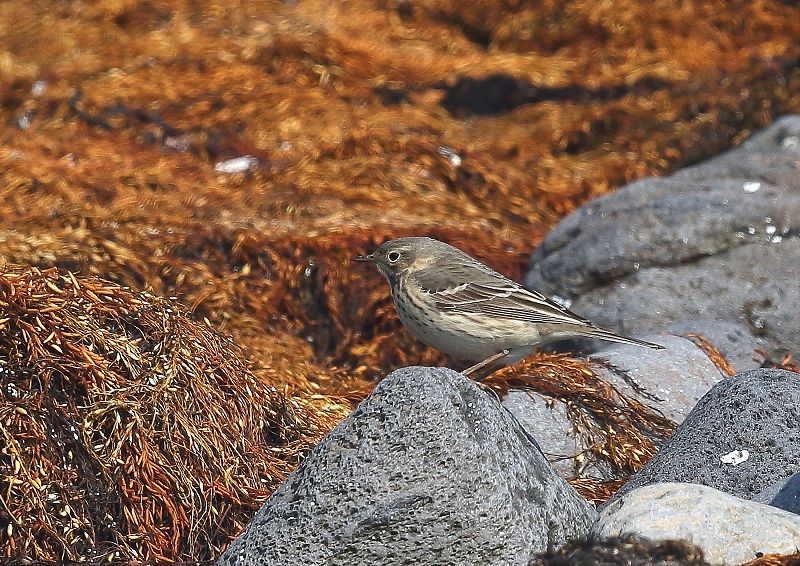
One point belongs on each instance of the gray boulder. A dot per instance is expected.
(742, 435)
(730, 530)
(428, 469)
(784, 494)
(717, 241)
(547, 419)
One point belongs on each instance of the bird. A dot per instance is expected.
(463, 308)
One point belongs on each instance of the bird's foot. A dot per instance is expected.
(483, 369)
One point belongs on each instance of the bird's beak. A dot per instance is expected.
(365, 258)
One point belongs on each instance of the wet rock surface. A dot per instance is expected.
(730, 530)
(717, 241)
(740, 437)
(427, 470)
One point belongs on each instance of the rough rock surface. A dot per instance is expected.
(784, 494)
(427, 470)
(730, 530)
(717, 241)
(670, 381)
(742, 435)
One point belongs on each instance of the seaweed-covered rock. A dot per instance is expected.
(427, 470)
(742, 435)
(691, 245)
(669, 382)
(730, 530)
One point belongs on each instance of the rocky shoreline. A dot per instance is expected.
(431, 470)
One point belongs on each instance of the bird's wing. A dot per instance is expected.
(493, 295)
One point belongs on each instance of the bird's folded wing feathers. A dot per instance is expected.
(502, 300)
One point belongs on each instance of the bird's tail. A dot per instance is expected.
(594, 332)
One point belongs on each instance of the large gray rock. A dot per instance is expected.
(553, 429)
(718, 241)
(741, 436)
(784, 494)
(428, 469)
(730, 530)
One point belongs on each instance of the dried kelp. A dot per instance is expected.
(130, 431)
(775, 560)
(716, 357)
(617, 429)
(627, 550)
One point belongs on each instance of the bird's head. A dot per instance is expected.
(396, 257)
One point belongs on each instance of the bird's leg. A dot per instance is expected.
(476, 369)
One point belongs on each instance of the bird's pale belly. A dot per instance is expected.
(464, 337)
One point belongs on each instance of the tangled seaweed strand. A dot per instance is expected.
(129, 431)
(713, 353)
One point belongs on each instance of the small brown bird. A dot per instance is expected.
(463, 308)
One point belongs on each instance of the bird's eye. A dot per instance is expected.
(393, 256)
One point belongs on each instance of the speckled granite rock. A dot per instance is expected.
(717, 241)
(427, 470)
(730, 530)
(741, 436)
